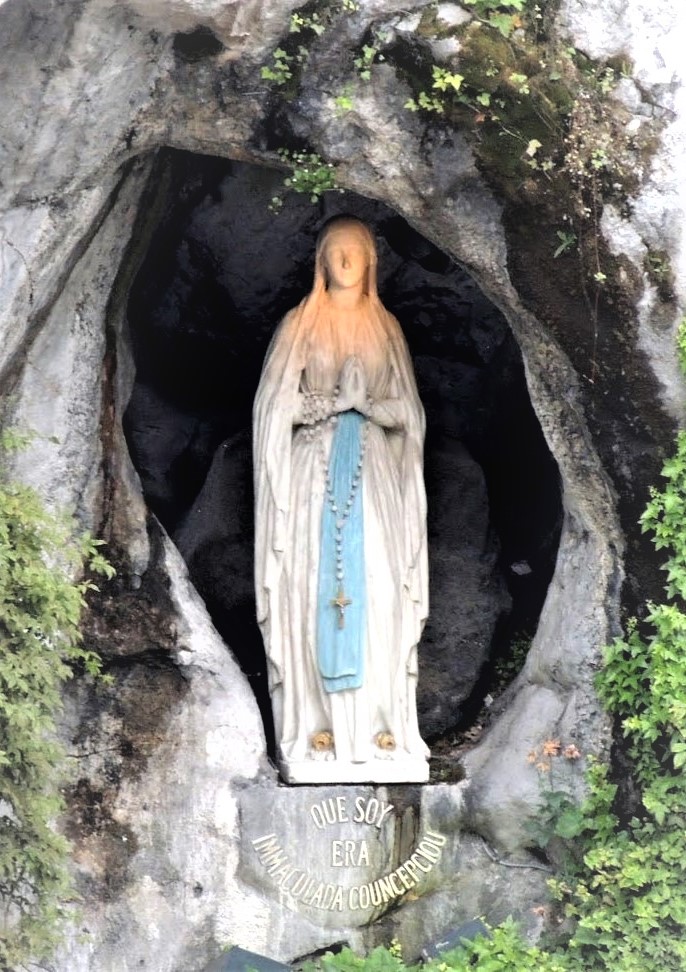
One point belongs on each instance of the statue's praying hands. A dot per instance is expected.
(352, 387)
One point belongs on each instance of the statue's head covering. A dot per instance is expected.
(352, 230)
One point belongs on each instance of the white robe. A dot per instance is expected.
(289, 495)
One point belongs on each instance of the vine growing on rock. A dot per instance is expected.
(40, 611)
(537, 109)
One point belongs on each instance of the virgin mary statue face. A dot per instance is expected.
(346, 260)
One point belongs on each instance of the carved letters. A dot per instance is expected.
(349, 855)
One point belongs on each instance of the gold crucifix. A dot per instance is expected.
(341, 602)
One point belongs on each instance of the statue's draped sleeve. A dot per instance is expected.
(408, 446)
(273, 411)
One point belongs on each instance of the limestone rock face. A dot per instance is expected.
(167, 762)
(154, 803)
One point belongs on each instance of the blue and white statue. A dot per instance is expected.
(340, 527)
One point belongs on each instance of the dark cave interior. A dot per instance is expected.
(220, 272)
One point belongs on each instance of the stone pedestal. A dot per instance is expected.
(342, 856)
(317, 771)
(368, 864)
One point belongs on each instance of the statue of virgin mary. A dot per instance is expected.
(340, 527)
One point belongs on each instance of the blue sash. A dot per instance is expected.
(340, 650)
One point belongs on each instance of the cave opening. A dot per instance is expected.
(220, 271)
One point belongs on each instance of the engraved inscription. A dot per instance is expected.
(303, 887)
(365, 810)
(349, 853)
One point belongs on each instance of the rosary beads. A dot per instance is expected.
(341, 516)
(317, 407)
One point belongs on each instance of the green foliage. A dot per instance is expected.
(306, 22)
(364, 61)
(629, 900)
(443, 80)
(558, 816)
(40, 610)
(344, 101)
(664, 518)
(520, 83)
(658, 267)
(503, 950)
(559, 819)
(379, 960)
(310, 175)
(681, 343)
(567, 240)
(543, 124)
(280, 70)
(503, 15)
(506, 667)
(308, 25)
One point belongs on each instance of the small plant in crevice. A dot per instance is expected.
(305, 26)
(309, 176)
(509, 664)
(280, 70)
(559, 818)
(292, 55)
(681, 343)
(40, 611)
(344, 101)
(368, 56)
(657, 265)
(443, 80)
(568, 242)
(300, 22)
(658, 268)
(504, 16)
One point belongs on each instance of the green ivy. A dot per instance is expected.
(681, 343)
(503, 15)
(630, 901)
(279, 71)
(502, 950)
(40, 611)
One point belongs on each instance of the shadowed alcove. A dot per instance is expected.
(220, 271)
